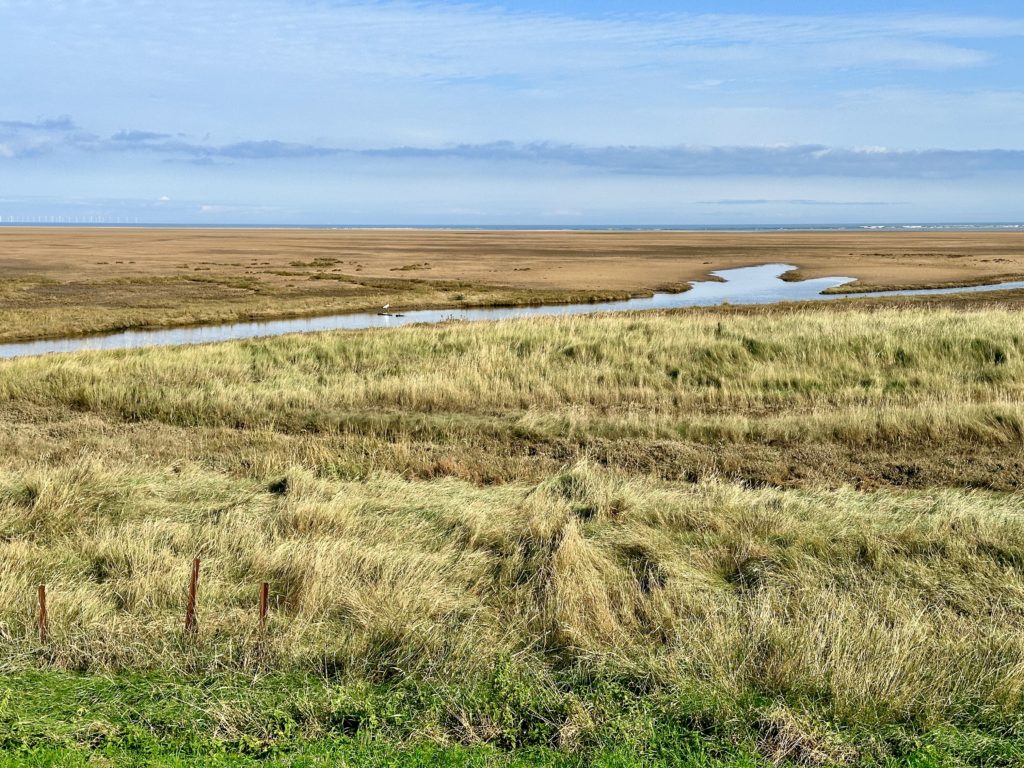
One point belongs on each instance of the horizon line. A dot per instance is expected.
(995, 225)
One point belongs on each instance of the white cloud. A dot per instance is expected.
(409, 71)
(683, 160)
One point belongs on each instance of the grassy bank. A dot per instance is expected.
(708, 539)
(38, 307)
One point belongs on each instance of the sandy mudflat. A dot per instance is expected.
(66, 282)
(565, 260)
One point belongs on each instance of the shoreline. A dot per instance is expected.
(762, 285)
(844, 295)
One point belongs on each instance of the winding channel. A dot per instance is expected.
(747, 285)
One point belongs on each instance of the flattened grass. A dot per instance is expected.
(806, 616)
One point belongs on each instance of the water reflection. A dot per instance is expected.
(747, 285)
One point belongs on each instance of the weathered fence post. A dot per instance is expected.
(193, 591)
(264, 605)
(44, 620)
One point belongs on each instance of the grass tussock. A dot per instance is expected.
(847, 607)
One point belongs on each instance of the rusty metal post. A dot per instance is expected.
(264, 605)
(193, 591)
(44, 619)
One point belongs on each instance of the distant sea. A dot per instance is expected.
(989, 226)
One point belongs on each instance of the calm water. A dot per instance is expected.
(748, 285)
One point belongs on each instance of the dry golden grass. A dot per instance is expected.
(437, 503)
(884, 606)
(911, 397)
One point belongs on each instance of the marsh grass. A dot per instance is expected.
(623, 366)
(477, 535)
(890, 397)
(37, 307)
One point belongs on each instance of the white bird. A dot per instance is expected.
(386, 307)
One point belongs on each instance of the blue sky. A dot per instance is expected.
(522, 112)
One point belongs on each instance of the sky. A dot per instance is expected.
(524, 112)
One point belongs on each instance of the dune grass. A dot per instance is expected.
(699, 539)
(893, 397)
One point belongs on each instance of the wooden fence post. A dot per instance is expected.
(44, 621)
(264, 606)
(190, 608)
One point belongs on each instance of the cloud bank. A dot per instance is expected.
(23, 139)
